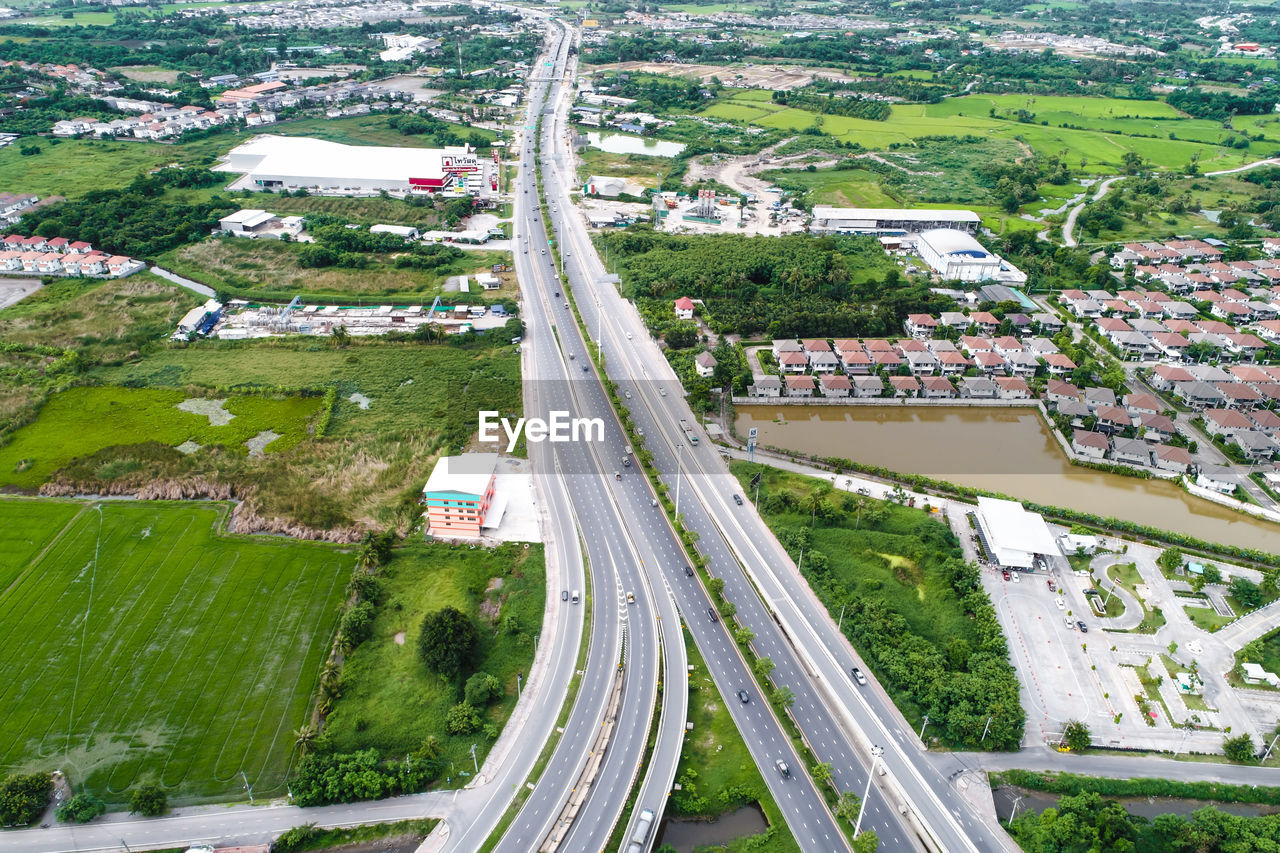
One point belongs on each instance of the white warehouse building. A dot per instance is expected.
(954, 254)
(317, 165)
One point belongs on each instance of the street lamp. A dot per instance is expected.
(1016, 802)
(876, 752)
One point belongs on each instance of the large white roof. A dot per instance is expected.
(1014, 534)
(878, 213)
(303, 157)
(468, 474)
(949, 241)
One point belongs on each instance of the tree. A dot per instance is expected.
(1076, 736)
(763, 667)
(23, 798)
(357, 624)
(822, 773)
(481, 689)
(784, 696)
(847, 806)
(303, 737)
(866, 842)
(81, 808)
(681, 335)
(447, 641)
(339, 336)
(463, 719)
(148, 800)
(1239, 749)
(743, 636)
(1247, 592)
(1170, 560)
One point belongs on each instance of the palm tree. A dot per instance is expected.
(859, 504)
(815, 501)
(303, 737)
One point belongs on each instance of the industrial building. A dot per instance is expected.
(888, 221)
(1013, 537)
(955, 254)
(460, 496)
(271, 162)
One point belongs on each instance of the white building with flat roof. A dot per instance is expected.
(879, 220)
(298, 162)
(1013, 536)
(955, 254)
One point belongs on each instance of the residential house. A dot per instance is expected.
(1075, 410)
(985, 321)
(1166, 377)
(812, 346)
(1226, 422)
(119, 265)
(855, 362)
(974, 344)
(1199, 395)
(835, 386)
(793, 362)
(1012, 388)
(922, 363)
(684, 308)
(705, 364)
(1039, 347)
(799, 386)
(1131, 450)
(1096, 396)
(781, 345)
(1179, 310)
(1172, 345)
(1058, 364)
(1134, 344)
(1022, 364)
(765, 386)
(1049, 324)
(1255, 446)
(1142, 404)
(1266, 422)
(1168, 458)
(990, 363)
(867, 386)
(1057, 392)
(1092, 445)
(823, 362)
(1112, 419)
(1007, 345)
(920, 326)
(952, 363)
(1238, 395)
(978, 388)
(888, 359)
(904, 386)
(1218, 478)
(1156, 427)
(936, 387)
(954, 319)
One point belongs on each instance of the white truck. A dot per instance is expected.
(643, 827)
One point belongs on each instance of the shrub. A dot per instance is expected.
(81, 808)
(148, 800)
(463, 719)
(482, 688)
(23, 798)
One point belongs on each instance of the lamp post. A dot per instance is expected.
(876, 752)
(246, 786)
(679, 463)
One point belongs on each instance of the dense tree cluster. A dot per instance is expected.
(447, 642)
(134, 221)
(1085, 822)
(832, 104)
(337, 245)
(1221, 106)
(789, 285)
(23, 798)
(325, 777)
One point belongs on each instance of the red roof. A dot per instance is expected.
(684, 303)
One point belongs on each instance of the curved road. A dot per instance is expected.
(1070, 225)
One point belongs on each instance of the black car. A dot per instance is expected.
(712, 615)
(1084, 629)
(737, 499)
(688, 570)
(744, 697)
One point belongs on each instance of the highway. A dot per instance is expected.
(841, 722)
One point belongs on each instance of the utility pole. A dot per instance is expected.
(840, 624)
(1269, 748)
(474, 760)
(922, 725)
(876, 752)
(519, 678)
(246, 786)
(985, 729)
(1016, 802)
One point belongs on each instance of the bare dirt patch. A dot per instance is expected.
(188, 447)
(779, 77)
(360, 400)
(214, 410)
(258, 444)
(398, 639)
(14, 289)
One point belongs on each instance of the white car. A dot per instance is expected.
(1017, 576)
(1061, 606)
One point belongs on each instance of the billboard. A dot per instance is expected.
(452, 164)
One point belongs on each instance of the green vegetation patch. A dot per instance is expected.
(29, 527)
(377, 130)
(82, 421)
(73, 167)
(145, 645)
(389, 700)
(911, 604)
(270, 269)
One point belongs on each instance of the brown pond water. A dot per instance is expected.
(1004, 450)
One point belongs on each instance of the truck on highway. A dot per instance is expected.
(643, 827)
(688, 430)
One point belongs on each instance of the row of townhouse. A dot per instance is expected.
(1204, 386)
(1140, 412)
(164, 125)
(52, 263)
(1201, 277)
(57, 245)
(1171, 340)
(925, 326)
(866, 387)
(1173, 251)
(1005, 355)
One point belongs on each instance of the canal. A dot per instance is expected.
(1003, 450)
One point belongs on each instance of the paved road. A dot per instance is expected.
(1271, 161)
(1069, 226)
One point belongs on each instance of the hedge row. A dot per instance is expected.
(1070, 783)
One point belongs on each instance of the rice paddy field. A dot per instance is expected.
(143, 644)
(1101, 129)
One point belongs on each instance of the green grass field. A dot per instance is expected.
(78, 19)
(72, 167)
(269, 269)
(366, 130)
(28, 527)
(390, 702)
(81, 421)
(1103, 129)
(144, 645)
